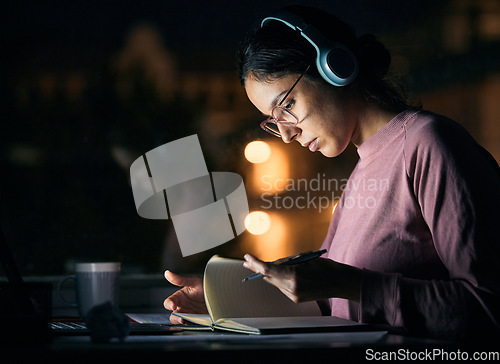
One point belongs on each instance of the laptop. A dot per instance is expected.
(25, 309)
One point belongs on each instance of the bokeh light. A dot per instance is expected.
(257, 151)
(257, 222)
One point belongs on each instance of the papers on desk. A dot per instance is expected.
(254, 307)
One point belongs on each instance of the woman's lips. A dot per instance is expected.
(313, 145)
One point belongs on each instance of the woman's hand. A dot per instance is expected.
(189, 299)
(313, 280)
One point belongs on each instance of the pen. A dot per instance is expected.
(296, 259)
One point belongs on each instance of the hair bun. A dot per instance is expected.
(374, 59)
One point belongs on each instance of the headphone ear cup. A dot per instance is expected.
(341, 62)
(337, 65)
(335, 62)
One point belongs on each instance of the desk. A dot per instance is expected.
(224, 347)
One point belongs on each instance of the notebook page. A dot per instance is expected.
(227, 296)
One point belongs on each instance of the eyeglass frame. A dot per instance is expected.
(273, 120)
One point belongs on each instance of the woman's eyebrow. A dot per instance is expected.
(279, 98)
(286, 93)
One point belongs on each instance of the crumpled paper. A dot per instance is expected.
(106, 322)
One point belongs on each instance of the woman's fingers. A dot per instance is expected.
(170, 303)
(256, 265)
(176, 320)
(180, 281)
(188, 299)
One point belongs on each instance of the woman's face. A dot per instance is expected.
(325, 125)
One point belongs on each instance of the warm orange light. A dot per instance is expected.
(273, 175)
(335, 203)
(257, 222)
(274, 244)
(257, 151)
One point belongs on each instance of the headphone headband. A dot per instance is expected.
(335, 62)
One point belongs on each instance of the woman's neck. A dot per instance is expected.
(369, 121)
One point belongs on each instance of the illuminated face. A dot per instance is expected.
(323, 124)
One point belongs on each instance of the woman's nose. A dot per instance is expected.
(288, 133)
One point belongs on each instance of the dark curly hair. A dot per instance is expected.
(275, 50)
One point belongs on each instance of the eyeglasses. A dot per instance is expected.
(281, 115)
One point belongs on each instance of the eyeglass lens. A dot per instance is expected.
(282, 116)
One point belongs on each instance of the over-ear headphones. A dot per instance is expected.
(336, 63)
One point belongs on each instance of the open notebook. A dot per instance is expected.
(256, 307)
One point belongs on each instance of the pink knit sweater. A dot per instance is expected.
(420, 215)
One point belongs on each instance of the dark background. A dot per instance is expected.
(75, 111)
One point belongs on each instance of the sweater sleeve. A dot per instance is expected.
(458, 191)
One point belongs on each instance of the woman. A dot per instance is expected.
(412, 243)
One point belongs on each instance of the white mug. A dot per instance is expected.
(95, 283)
